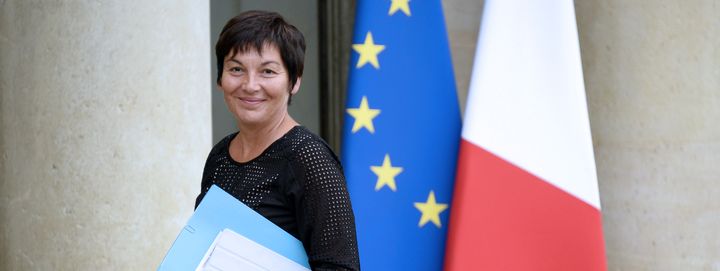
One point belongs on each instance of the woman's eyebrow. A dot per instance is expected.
(270, 62)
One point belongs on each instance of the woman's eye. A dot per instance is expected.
(235, 70)
(268, 72)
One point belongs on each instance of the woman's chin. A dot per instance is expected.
(252, 120)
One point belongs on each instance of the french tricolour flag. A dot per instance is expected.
(526, 195)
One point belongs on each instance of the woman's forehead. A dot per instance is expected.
(266, 51)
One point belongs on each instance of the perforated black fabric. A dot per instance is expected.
(298, 184)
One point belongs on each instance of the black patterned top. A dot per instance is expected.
(298, 184)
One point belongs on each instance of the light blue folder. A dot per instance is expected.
(217, 211)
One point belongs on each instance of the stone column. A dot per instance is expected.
(652, 76)
(104, 130)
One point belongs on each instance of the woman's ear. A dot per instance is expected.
(296, 87)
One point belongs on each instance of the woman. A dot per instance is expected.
(273, 165)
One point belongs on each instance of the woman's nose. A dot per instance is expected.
(252, 82)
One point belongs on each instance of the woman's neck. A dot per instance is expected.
(252, 140)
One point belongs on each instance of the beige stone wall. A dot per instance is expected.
(652, 76)
(104, 129)
(462, 20)
(652, 73)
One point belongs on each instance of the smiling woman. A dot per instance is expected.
(272, 164)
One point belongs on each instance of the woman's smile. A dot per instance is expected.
(251, 101)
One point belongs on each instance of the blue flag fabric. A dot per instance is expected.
(401, 134)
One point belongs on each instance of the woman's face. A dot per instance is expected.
(256, 86)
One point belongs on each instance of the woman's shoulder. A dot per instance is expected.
(305, 145)
(222, 145)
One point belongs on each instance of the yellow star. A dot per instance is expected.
(368, 52)
(363, 116)
(399, 5)
(386, 174)
(430, 210)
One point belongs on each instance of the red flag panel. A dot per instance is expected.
(504, 218)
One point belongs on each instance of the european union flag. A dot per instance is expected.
(401, 134)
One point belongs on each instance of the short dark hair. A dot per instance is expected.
(255, 29)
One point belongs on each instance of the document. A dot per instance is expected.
(241, 234)
(232, 251)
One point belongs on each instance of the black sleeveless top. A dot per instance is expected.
(298, 184)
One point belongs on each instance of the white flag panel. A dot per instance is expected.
(527, 98)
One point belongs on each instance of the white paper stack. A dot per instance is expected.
(231, 251)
